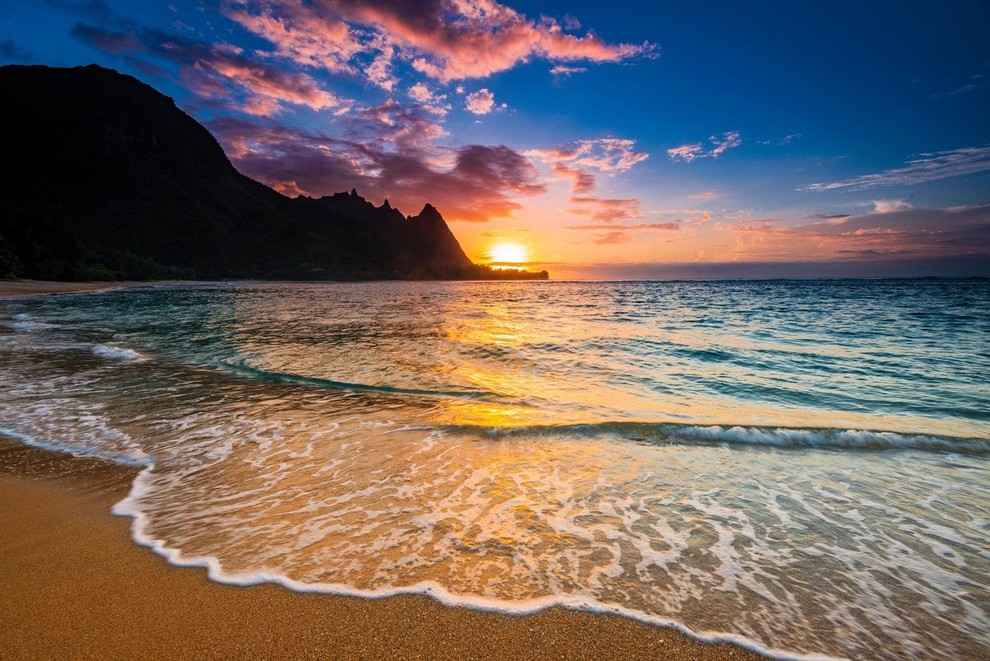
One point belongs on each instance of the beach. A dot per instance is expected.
(76, 586)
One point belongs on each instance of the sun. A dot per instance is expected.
(508, 253)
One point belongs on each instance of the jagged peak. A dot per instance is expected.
(429, 211)
(385, 204)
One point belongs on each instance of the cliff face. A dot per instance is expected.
(111, 180)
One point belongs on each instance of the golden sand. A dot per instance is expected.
(74, 585)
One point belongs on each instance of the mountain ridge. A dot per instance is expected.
(111, 180)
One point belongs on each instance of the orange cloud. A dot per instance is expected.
(607, 209)
(612, 238)
(581, 182)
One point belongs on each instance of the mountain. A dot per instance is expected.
(109, 179)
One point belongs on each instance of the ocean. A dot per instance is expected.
(799, 467)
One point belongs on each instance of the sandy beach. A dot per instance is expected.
(76, 586)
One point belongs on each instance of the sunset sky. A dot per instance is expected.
(595, 139)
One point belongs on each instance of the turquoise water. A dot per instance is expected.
(799, 467)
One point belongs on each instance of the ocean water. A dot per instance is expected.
(799, 467)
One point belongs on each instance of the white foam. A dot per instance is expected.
(119, 353)
(130, 506)
(829, 438)
(24, 323)
(134, 457)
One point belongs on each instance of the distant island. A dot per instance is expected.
(110, 180)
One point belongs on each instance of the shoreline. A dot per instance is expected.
(77, 585)
(24, 288)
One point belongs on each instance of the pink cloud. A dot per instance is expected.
(609, 155)
(300, 33)
(727, 141)
(444, 39)
(574, 160)
(480, 102)
(612, 238)
(420, 92)
(563, 70)
(686, 152)
(720, 145)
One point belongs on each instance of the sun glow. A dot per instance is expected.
(508, 253)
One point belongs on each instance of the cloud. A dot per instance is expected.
(429, 100)
(666, 227)
(444, 39)
(923, 168)
(480, 102)
(686, 152)
(893, 231)
(608, 155)
(612, 238)
(571, 22)
(11, 52)
(216, 71)
(563, 71)
(379, 71)
(720, 145)
(707, 196)
(574, 161)
(974, 82)
(108, 41)
(728, 141)
(420, 92)
(607, 210)
(582, 182)
(887, 206)
(394, 126)
(306, 35)
(383, 156)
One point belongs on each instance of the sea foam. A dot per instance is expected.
(119, 353)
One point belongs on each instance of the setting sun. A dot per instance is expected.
(504, 253)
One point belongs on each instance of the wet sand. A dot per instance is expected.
(75, 586)
(12, 288)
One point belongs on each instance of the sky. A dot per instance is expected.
(596, 140)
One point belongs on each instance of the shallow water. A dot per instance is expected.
(797, 466)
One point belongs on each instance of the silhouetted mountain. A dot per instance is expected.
(110, 180)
